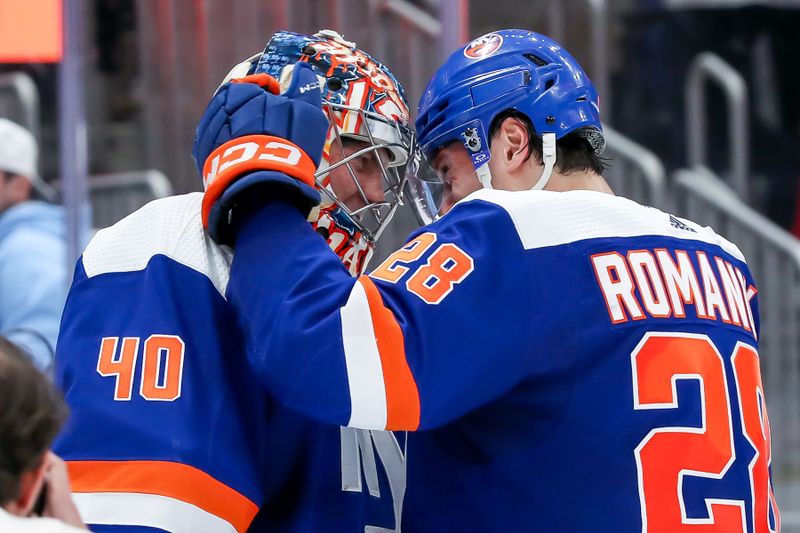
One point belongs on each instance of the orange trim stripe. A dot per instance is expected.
(262, 79)
(302, 171)
(402, 395)
(163, 478)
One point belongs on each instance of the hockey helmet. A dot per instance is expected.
(509, 69)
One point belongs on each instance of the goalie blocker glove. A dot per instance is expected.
(252, 136)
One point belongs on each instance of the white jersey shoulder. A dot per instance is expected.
(547, 218)
(171, 227)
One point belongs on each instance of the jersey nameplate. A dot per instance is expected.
(660, 283)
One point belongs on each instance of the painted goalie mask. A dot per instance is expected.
(362, 172)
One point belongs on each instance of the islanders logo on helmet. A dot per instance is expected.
(483, 46)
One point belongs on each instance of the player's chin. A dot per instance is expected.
(453, 199)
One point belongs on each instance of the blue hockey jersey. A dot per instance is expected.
(161, 432)
(169, 428)
(573, 362)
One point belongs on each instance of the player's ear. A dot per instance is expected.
(515, 143)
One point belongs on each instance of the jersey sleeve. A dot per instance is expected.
(442, 327)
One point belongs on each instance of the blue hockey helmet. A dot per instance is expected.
(509, 69)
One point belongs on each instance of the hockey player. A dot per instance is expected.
(574, 361)
(169, 429)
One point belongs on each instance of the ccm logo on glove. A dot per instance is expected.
(257, 152)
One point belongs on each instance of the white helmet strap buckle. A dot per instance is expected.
(484, 176)
(549, 160)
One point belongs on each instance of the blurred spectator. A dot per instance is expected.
(32, 250)
(32, 478)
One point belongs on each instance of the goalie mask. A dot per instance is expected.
(362, 172)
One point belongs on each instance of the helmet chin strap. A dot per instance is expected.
(548, 158)
(484, 176)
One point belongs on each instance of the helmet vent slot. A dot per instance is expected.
(437, 120)
(581, 99)
(538, 61)
(435, 117)
(548, 84)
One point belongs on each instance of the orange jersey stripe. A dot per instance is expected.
(402, 395)
(163, 478)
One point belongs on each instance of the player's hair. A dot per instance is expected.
(573, 151)
(31, 413)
